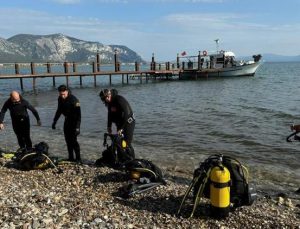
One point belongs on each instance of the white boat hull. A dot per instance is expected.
(243, 70)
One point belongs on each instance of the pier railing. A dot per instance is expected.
(65, 69)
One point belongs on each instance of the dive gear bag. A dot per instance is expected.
(143, 176)
(35, 158)
(117, 153)
(239, 191)
(141, 168)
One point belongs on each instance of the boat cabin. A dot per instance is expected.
(222, 59)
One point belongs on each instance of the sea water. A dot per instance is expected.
(181, 123)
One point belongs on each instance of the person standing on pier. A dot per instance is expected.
(19, 118)
(120, 113)
(69, 106)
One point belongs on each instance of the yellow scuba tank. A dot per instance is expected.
(124, 144)
(45, 164)
(135, 175)
(220, 191)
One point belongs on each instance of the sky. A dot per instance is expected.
(163, 27)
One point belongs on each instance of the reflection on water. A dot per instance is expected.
(181, 123)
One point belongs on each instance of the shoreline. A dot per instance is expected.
(85, 196)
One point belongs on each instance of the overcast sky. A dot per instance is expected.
(163, 27)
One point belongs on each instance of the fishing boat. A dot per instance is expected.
(220, 64)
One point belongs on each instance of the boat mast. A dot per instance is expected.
(217, 44)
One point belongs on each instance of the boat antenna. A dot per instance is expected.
(217, 44)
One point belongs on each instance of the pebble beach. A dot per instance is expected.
(85, 196)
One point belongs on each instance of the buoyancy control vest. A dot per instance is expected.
(143, 176)
(141, 168)
(35, 158)
(116, 154)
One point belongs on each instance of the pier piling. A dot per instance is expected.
(70, 69)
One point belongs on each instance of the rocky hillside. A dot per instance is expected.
(59, 48)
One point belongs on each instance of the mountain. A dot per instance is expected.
(60, 48)
(10, 51)
(280, 58)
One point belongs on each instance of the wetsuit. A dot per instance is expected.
(120, 113)
(20, 120)
(70, 108)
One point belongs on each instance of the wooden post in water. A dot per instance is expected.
(17, 71)
(32, 67)
(199, 61)
(74, 67)
(80, 80)
(66, 68)
(177, 61)
(48, 67)
(122, 79)
(21, 83)
(110, 79)
(153, 64)
(98, 62)
(127, 79)
(117, 64)
(49, 71)
(137, 66)
(94, 70)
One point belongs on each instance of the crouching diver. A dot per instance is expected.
(19, 118)
(120, 113)
(69, 106)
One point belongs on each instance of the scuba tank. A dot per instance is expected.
(220, 191)
(124, 144)
(225, 181)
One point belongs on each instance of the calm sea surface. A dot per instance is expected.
(180, 123)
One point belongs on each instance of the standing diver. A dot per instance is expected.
(19, 118)
(69, 106)
(120, 113)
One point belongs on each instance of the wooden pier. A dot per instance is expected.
(151, 70)
(70, 69)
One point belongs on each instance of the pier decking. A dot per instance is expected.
(70, 69)
(137, 70)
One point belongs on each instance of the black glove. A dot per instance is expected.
(53, 126)
(77, 131)
(38, 122)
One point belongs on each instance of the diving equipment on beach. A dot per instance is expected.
(220, 191)
(34, 158)
(117, 153)
(143, 176)
(6, 154)
(224, 181)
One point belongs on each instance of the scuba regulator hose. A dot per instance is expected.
(59, 170)
(294, 134)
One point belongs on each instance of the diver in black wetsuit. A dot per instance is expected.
(120, 113)
(20, 118)
(69, 106)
